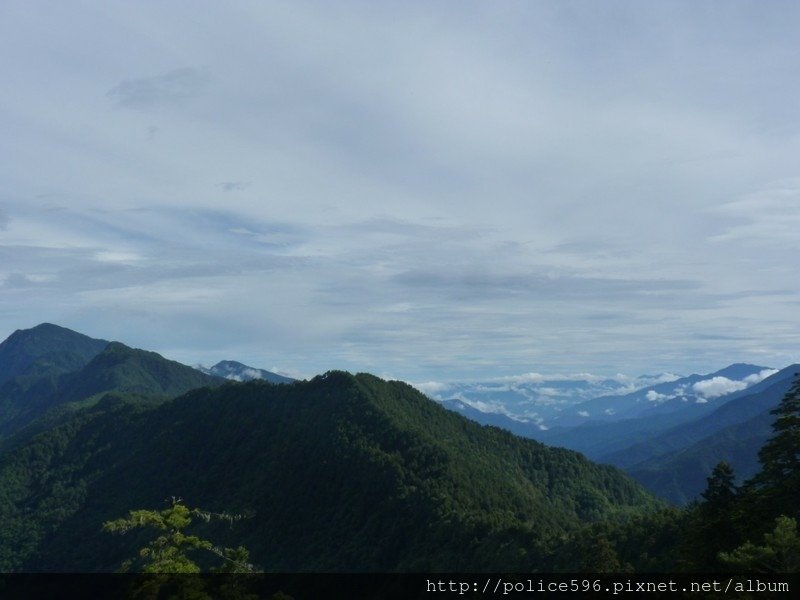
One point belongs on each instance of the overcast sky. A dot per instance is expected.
(423, 190)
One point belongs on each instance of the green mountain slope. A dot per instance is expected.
(48, 345)
(342, 473)
(123, 369)
(116, 368)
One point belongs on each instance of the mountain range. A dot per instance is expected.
(339, 473)
(668, 435)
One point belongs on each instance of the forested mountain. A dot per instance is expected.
(46, 346)
(341, 473)
(671, 450)
(352, 473)
(43, 387)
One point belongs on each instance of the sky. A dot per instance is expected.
(426, 191)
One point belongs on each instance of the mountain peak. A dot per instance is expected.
(236, 371)
(59, 345)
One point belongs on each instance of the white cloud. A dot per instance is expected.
(654, 396)
(717, 386)
(583, 413)
(432, 388)
(116, 256)
(760, 376)
(385, 189)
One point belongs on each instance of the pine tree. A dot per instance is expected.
(778, 484)
(711, 530)
(780, 552)
(721, 491)
(169, 552)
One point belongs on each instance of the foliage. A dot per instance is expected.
(780, 552)
(778, 483)
(168, 553)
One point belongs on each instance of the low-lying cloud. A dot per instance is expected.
(718, 386)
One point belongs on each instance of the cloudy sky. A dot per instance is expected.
(429, 190)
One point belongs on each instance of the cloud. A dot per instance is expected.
(429, 196)
(432, 388)
(476, 284)
(717, 386)
(583, 413)
(770, 216)
(233, 186)
(172, 88)
(4, 220)
(489, 407)
(653, 396)
(760, 376)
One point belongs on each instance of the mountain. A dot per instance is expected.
(123, 369)
(675, 464)
(762, 397)
(116, 368)
(681, 476)
(46, 346)
(236, 371)
(515, 426)
(340, 473)
(683, 394)
(533, 398)
(579, 412)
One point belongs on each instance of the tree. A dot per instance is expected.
(777, 486)
(711, 529)
(168, 553)
(721, 491)
(780, 552)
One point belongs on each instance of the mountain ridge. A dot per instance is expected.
(344, 472)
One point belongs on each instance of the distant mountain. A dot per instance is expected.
(605, 424)
(533, 398)
(515, 426)
(759, 398)
(122, 369)
(48, 382)
(43, 347)
(600, 440)
(683, 394)
(236, 371)
(341, 473)
(675, 463)
(681, 476)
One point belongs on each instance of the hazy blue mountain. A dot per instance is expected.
(533, 398)
(515, 426)
(236, 371)
(651, 410)
(681, 476)
(676, 463)
(685, 393)
(757, 399)
(43, 347)
(599, 440)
